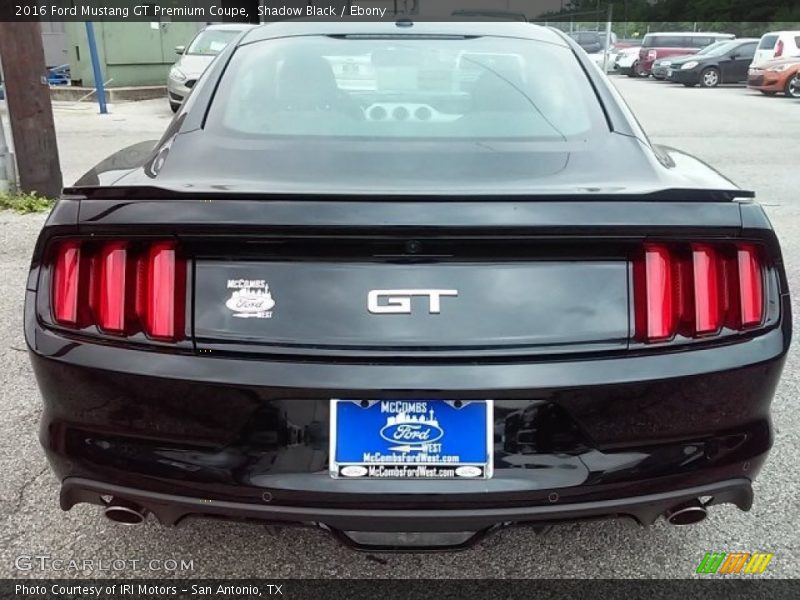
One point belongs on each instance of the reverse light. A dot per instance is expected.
(697, 290)
(120, 288)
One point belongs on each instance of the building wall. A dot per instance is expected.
(131, 53)
(54, 40)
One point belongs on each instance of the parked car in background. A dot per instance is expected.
(592, 41)
(196, 57)
(777, 44)
(614, 52)
(628, 61)
(659, 45)
(776, 77)
(726, 63)
(662, 65)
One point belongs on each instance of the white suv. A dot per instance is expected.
(777, 44)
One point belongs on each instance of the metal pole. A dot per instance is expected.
(608, 38)
(98, 73)
(6, 179)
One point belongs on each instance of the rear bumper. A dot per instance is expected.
(170, 509)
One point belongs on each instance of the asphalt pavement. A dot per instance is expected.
(748, 137)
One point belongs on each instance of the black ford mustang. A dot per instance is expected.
(409, 282)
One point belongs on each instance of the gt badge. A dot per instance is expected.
(251, 298)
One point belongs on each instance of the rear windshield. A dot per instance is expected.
(405, 88)
(211, 41)
(768, 42)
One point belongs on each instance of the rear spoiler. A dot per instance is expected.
(578, 195)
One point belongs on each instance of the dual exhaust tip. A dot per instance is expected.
(124, 512)
(687, 513)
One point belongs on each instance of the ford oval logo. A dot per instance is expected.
(354, 471)
(468, 471)
(412, 433)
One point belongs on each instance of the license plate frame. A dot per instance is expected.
(424, 465)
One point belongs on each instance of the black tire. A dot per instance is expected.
(710, 77)
(690, 84)
(638, 72)
(767, 93)
(792, 89)
(174, 107)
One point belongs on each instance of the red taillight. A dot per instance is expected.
(716, 286)
(111, 281)
(751, 286)
(126, 290)
(779, 49)
(163, 299)
(705, 270)
(655, 294)
(66, 273)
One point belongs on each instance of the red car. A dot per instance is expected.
(660, 45)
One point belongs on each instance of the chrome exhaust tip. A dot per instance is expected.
(687, 513)
(125, 512)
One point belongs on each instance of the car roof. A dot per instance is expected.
(404, 27)
(228, 27)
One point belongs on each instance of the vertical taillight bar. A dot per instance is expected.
(111, 282)
(66, 282)
(655, 302)
(705, 266)
(163, 303)
(751, 285)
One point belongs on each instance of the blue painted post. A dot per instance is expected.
(98, 72)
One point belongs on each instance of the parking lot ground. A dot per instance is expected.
(750, 138)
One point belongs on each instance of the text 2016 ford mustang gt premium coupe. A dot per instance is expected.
(411, 283)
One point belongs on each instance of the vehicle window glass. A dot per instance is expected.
(388, 89)
(718, 48)
(768, 42)
(211, 41)
(700, 42)
(747, 50)
(797, 41)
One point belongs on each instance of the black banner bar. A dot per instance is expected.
(718, 588)
(784, 13)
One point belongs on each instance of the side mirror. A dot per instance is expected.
(180, 49)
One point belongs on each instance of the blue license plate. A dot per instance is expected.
(411, 439)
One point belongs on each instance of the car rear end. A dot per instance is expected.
(407, 367)
(775, 45)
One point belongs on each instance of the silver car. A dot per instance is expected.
(195, 58)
